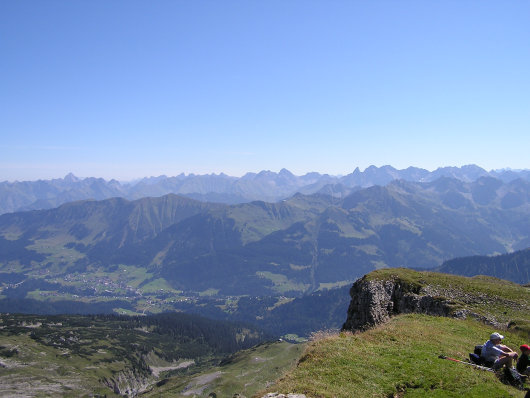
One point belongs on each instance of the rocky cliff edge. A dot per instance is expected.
(382, 294)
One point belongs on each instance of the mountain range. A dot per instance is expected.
(292, 247)
(266, 185)
(283, 265)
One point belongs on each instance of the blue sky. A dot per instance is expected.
(126, 89)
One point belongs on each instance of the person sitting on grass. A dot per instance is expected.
(496, 353)
(523, 364)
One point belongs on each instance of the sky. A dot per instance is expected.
(126, 89)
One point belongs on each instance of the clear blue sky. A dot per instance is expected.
(124, 89)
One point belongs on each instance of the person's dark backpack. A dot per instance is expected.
(476, 359)
(475, 356)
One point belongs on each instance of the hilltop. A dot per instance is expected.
(397, 355)
(384, 293)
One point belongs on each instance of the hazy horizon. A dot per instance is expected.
(128, 89)
(81, 177)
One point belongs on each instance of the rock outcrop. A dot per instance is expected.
(129, 382)
(375, 301)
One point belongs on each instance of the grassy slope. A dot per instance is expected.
(245, 373)
(398, 359)
(43, 371)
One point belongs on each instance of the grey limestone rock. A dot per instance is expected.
(374, 302)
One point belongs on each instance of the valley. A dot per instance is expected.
(253, 261)
(290, 248)
(181, 355)
(169, 275)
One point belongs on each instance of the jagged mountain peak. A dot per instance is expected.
(265, 185)
(70, 177)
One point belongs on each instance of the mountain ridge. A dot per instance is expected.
(289, 247)
(265, 185)
(512, 266)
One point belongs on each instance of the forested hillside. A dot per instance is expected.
(106, 354)
(512, 266)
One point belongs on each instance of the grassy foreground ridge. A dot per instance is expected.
(400, 358)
